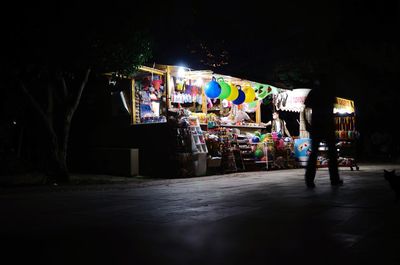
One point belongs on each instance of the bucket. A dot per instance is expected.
(301, 146)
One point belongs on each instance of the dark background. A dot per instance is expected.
(356, 41)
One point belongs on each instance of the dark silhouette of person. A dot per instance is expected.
(321, 99)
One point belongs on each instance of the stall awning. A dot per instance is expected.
(293, 100)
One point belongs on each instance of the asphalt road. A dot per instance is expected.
(266, 217)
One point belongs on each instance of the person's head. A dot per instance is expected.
(275, 115)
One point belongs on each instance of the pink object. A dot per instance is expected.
(157, 84)
(280, 144)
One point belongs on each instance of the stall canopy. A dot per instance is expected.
(291, 100)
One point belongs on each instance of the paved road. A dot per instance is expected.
(264, 217)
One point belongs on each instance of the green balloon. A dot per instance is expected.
(225, 89)
(258, 153)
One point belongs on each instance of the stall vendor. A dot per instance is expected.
(278, 125)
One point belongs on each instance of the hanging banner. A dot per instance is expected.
(291, 100)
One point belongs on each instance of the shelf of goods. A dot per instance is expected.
(344, 158)
(250, 153)
(346, 138)
(198, 142)
(199, 147)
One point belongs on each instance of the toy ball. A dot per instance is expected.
(258, 153)
(225, 88)
(240, 98)
(249, 93)
(255, 139)
(212, 89)
(234, 93)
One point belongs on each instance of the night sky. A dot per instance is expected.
(358, 40)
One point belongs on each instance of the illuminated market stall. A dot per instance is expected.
(216, 119)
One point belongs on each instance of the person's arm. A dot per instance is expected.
(286, 129)
(268, 124)
(306, 121)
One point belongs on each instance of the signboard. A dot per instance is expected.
(343, 105)
(291, 100)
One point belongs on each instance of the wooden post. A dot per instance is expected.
(168, 86)
(204, 101)
(258, 112)
(303, 132)
(133, 102)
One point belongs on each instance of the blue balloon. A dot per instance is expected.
(240, 99)
(212, 89)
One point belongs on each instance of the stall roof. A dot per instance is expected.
(208, 74)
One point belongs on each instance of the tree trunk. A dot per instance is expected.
(63, 174)
(58, 144)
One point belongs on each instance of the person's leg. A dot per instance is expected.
(311, 165)
(333, 164)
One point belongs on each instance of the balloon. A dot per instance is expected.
(255, 139)
(240, 98)
(212, 89)
(225, 88)
(250, 94)
(234, 93)
(258, 153)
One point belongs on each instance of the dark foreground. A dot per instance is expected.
(265, 217)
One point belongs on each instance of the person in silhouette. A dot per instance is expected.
(278, 125)
(322, 128)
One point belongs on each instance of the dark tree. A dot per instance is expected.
(51, 56)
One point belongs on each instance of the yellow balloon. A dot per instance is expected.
(234, 92)
(249, 93)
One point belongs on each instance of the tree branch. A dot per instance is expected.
(50, 105)
(64, 86)
(38, 108)
(75, 103)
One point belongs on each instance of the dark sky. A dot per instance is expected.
(359, 38)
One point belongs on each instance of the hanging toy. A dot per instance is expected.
(240, 99)
(250, 95)
(225, 88)
(213, 89)
(234, 93)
